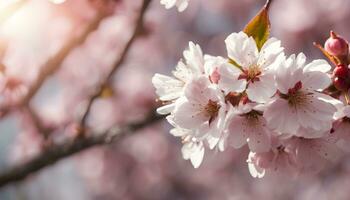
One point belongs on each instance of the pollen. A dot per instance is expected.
(295, 96)
(251, 74)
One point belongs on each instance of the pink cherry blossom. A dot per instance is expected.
(255, 70)
(299, 103)
(202, 108)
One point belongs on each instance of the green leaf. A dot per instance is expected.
(259, 26)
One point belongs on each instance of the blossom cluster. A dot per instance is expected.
(279, 105)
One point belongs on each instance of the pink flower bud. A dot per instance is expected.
(336, 46)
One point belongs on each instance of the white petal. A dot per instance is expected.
(259, 140)
(242, 49)
(269, 52)
(167, 88)
(182, 5)
(254, 170)
(318, 65)
(238, 132)
(300, 60)
(281, 117)
(183, 73)
(194, 58)
(198, 90)
(229, 79)
(261, 91)
(327, 150)
(188, 115)
(168, 3)
(316, 80)
(194, 152)
(180, 132)
(288, 74)
(166, 109)
(212, 63)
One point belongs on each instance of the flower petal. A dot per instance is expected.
(188, 115)
(229, 81)
(242, 49)
(316, 80)
(238, 132)
(318, 65)
(261, 91)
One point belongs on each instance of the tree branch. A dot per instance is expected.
(118, 63)
(58, 152)
(54, 63)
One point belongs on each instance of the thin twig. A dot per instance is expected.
(117, 64)
(37, 122)
(54, 63)
(58, 152)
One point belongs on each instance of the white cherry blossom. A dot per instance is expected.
(193, 147)
(202, 109)
(255, 71)
(249, 127)
(168, 88)
(299, 104)
(280, 159)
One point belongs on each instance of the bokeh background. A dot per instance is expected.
(146, 165)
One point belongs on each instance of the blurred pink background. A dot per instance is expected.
(146, 165)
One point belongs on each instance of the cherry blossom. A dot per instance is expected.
(193, 147)
(255, 71)
(202, 108)
(299, 103)
(249, 127)
(169, 89)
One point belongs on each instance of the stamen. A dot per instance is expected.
(212, 110)
(252, 74)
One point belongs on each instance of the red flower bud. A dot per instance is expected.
(341, 71)
(336, 46)
(341, 84)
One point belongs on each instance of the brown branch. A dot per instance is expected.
(37, 122)
(54, 63)
(117, 64)
(58, 152)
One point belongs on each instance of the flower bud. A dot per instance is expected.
(336, 46)
(341, 84)
(341, 71)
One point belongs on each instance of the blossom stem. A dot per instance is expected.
(347, 98)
